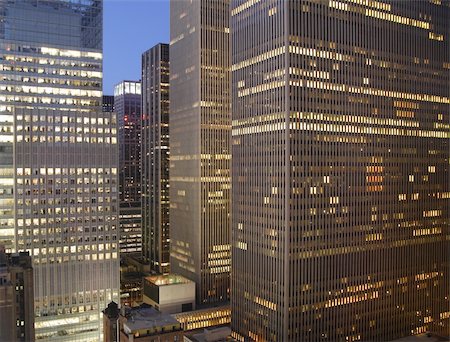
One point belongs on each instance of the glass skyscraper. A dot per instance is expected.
(340, 169)
(200, 124)
(127, 106)
(155, 158)
(58, 162)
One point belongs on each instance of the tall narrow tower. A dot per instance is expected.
(200, 123)
(127, 106)
(340, 149)
(155, 158)
(58, 162)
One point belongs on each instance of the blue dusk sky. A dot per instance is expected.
(130, 27)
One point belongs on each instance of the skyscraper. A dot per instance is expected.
(127, 105)
(340, 149)
(155, 158)
(200, 123)
(58, 164)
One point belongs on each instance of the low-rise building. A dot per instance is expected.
(110, 322)
(219, 334)
(16, 297)
(205, 318)
(146, 324)
(169, 293)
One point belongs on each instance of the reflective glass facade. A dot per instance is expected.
(340, 150)
(58, 162)
(155, 158)
(127, 105)
(200, 125)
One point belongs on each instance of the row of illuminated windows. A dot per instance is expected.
(50, 241)
(71, 53)
(354, 119)
(65, 171)
(74, 249)
(67, 258)
(50, 100)
(42, 181)
(303, 126)
(64, 211)
(77, 296)
(51, 71)
(58, 136)
(427, 231)
(68, 139)
(348, 250)
(110, 120)
(219, 255)
(350, 299)
(219, 269)
(54, 81)
(57, 201)
(368, 91)
(342, 88)
(51, 91)
(22, 61)
(379, 15)
(372, 3)
(65, 129)
(73, 309)
(87, 298)
(67, 230)
(72, 138)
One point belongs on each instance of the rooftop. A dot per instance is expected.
(167, 279)
(147, 318)
(210, 335)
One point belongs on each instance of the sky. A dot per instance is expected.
(130, 27)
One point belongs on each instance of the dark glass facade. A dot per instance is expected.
(155, 158)
(127, 106)
(340, 149)
(108, 103)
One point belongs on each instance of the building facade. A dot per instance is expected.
(155, 159)
(108, 103)
(16, 297)
(58, 164)
(127, 105)
(340, 148)
(111, 322)
(169, 293)
(200, 123)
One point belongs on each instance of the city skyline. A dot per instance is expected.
(245, 170)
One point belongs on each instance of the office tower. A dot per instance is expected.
(127, 105)
(155, 158)
(58, 164)
(200, 124)
(340, 155)
(108, 103)
(16, 297)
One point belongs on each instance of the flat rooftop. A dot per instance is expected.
(147, 319)
(167, 279)
(210, 335)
